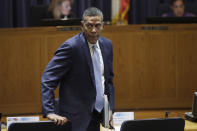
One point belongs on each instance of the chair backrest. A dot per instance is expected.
(39, 126)
(167, 124)
(37, 13)
(191, 7)
(163, 8)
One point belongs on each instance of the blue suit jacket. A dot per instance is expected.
(71, 69)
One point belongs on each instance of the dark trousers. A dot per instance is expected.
(96, 119)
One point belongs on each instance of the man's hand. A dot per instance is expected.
(59, 120)
(111, 122)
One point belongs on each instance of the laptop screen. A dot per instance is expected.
(54, 22)
(170, 20)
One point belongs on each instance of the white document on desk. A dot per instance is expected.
(120, 117)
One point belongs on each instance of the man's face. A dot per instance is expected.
(178, 8)
(92, 27)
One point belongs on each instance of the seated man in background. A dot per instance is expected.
(178, 9)
(60, 9)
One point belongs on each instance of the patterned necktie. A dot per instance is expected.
(98, 75)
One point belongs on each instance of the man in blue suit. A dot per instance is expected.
(82, 68)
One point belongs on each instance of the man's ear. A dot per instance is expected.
(103, 25)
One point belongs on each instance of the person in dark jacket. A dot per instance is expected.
(82, 67)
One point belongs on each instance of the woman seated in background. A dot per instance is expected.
(60, 9)
(178, 9)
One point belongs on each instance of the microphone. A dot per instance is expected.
(167, 113)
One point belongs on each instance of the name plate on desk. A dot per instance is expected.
(154, 28)
(64, 28)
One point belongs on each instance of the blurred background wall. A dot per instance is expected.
(16, 13)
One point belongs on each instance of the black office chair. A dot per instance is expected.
(191, 7)
(167, 124)
(0, 120)
(39, 126)
(37, 13)
(163, 8)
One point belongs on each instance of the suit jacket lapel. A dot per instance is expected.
(88, 56)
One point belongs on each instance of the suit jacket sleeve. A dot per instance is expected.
(110, 85)
(55, 70)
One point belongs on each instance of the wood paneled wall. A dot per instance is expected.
(154, 67)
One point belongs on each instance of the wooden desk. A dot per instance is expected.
(154, 65)
(190, 126)
(145, 114)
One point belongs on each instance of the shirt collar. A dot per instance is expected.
(91, 45)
